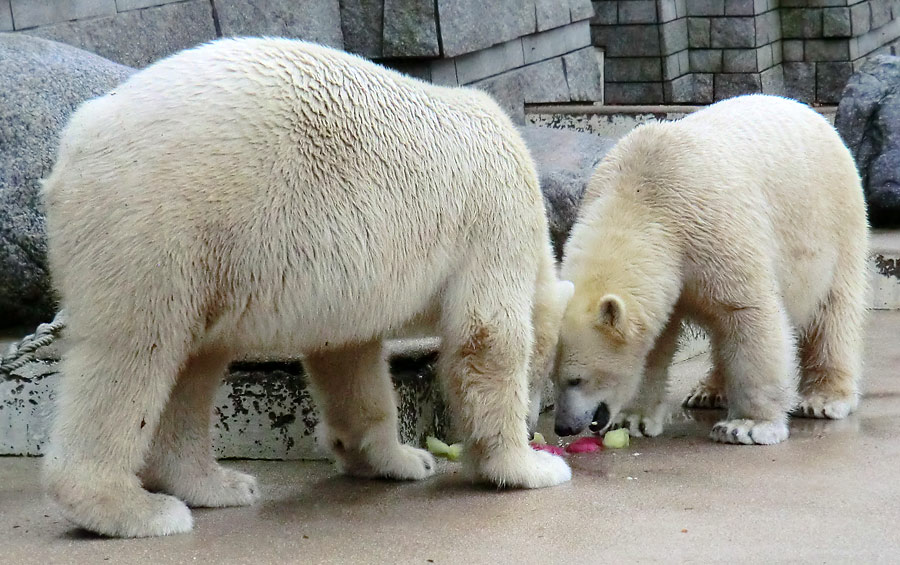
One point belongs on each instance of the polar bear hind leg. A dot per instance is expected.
(353, 390)
(710, 391)
(830, 349)
(181, 462)
(108, 407)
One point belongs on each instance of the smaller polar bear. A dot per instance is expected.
(747, 218)
(266, 195)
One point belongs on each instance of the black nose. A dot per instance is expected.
(601, 418)
(563, 430)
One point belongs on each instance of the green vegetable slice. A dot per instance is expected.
(616, 439)
(436, 446)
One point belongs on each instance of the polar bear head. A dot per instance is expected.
(602, 351)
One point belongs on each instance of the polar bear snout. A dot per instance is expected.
(566, 429)
(567, 425)
(574, 412)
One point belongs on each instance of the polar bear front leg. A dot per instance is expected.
(759, 360)
(181, 462)
(484, 362)
(646, 415)
(355, 396)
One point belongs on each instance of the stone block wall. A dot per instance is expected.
(521, 51)
(824, 43)
(131, 32)
(699, 51)
(635, 34)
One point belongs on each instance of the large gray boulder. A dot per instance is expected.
(565, 160)
(868, 118)
(41, 83)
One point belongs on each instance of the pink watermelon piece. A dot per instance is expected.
(585, 445)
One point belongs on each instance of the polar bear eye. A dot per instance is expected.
(574, 382)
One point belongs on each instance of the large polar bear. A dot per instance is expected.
(266, 195)
(746, 217)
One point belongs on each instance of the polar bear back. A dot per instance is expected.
(249, 172)
(754, 179)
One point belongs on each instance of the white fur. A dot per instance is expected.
(746, 217)
(274, 196)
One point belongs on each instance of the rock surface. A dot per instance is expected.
(868, 118)
(318, 21)
(42, 83)
(565, 160)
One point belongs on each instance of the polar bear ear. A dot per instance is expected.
(564, 292)
(612, 313)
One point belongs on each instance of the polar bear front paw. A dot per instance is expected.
(525, 468)
(405, 463)
(640, 425)
(749, 432)
(823, 406)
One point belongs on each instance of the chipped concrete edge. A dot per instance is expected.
(262, 410)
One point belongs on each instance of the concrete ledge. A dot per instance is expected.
(885, 285)
(263, 409)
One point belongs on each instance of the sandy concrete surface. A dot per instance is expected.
(830, 494)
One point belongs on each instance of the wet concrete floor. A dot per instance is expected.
(830, 494)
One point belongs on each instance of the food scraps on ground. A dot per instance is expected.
(440, 449)
(614, 439)
(585, 444)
